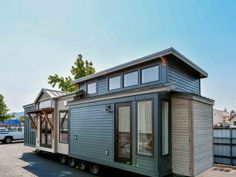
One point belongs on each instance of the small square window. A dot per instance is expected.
(114, 83)
(131, 79)
(92, 88)
(150, 74)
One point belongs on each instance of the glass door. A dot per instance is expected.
(123, 133)
(45, 132)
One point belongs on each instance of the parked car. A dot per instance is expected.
(7, 135)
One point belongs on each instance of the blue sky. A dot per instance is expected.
(39, 38)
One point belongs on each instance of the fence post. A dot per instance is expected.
(231, 147)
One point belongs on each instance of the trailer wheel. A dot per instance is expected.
(8, 140)
(72, 162)
(82, 165)
(94, 169)
(63, 159)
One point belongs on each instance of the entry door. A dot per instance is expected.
(45, 132)
(123, 133)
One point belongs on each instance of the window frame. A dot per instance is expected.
(147, 67)
(61, 111)
(108, 79)
(96, 89)
(121, 104)
(152, 153)
(165, 100)
(138, 78)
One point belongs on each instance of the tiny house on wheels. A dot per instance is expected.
(146, 116)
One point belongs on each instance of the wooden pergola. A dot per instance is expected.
(42, 113)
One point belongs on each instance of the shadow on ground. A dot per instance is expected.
(14, 142)
(47, 165)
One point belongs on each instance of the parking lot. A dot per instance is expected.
(21, 161)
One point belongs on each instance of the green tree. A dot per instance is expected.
(80, 69)
(3, 110)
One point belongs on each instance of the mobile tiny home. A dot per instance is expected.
(47, 122)
(146, 116)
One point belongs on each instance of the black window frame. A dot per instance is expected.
(114, 77)
(141, 74)
(137, 71)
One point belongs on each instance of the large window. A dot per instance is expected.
(150, 74)
(165, 127)
(131, 79)
(92, 88)
(63, 126)
(114, 83)
(145, 144)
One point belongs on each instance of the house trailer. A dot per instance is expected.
(46, 123)
(146, 116)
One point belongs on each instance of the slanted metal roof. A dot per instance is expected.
(51, 93)
(159, 54)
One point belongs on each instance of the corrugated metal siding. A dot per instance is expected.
(29, 135)
(223, 147)
(202, 137)
(185, 82)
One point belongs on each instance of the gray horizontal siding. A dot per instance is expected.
(184, 81)
(102, 86)
(202, 137)
(95, 131)
(82, 87)
(29, 135)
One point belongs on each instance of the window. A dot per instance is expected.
(165, 127)
(131, 79)
(234, 123)
(92, 88)
(45, 104)
(150, 74)
(63, 126)
(114, 82)
(144, 127)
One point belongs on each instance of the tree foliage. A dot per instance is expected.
(80, 69)
(3, 110)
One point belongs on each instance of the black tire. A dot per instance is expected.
(63, 159)
(82, 165)
(72, 162)
(94, 168)
(8, 140)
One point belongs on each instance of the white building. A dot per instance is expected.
(220, 116)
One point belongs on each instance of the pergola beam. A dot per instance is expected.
(47, 119)
(32, 121)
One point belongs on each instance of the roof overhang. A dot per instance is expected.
(202, 73)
